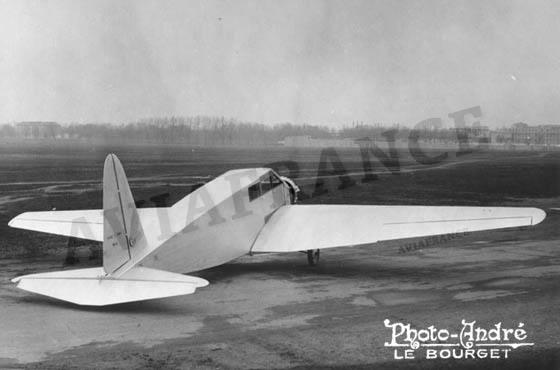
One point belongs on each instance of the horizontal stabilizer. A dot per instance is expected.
(88, 223)
(84, 224)
(90, 287)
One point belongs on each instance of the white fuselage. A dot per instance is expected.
(220, 221)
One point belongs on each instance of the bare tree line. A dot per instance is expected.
(212, 131)
(199, 130)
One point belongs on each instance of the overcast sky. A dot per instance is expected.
(321, 62)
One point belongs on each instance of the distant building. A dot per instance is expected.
(38, 130)
(308, 141)
(475, 133)
(520, 126)
(551, 134)
(522, 133)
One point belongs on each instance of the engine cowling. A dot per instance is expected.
(294, 189)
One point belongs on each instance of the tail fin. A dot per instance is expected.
(124, 246)
(123, 235)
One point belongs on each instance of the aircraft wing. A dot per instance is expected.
(303, 227)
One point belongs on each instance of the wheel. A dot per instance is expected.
(313, 256)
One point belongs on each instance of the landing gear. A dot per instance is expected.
(313, 256)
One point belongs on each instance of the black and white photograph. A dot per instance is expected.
(265, 184)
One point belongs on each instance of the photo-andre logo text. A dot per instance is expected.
(468, 341)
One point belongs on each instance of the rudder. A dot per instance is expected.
(123, 235)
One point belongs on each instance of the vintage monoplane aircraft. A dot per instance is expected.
(146, 250)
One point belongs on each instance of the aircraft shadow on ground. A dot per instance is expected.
(156, 306)
(332, 268)
(285, 267)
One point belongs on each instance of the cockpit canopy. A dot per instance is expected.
(267, 182)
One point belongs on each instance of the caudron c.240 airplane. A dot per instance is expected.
(146, 250)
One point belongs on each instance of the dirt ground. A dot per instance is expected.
(274, 311)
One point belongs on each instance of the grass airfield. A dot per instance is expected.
(273, 310)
